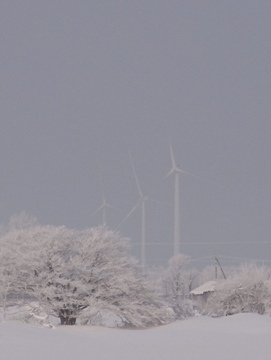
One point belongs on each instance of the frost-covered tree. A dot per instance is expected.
(10, 273)
(69, 271)
(247, 290)
(15, 267)
(22, 220)
(176, 283)
(18, 221)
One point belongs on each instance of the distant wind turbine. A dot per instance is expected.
(141, 202)
(177, 171)
(104, 206)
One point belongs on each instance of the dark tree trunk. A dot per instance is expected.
(67, 317)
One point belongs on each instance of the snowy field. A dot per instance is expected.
(238, 337)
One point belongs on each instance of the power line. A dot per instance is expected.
(211, 243)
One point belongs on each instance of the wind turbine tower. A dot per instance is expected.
(176, 171)
(103, 208)
(141, 201)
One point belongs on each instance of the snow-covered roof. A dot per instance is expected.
(209, 286)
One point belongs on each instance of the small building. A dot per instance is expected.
(201, 293)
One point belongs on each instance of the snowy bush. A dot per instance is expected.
(30, 313)
(176, 283)
(248, 290)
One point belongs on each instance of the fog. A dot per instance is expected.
(85, 83)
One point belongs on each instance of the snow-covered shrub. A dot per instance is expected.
(176, 283)
(248, 290)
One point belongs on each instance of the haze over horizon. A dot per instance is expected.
(84, 83)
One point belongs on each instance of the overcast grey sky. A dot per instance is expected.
(85, 82)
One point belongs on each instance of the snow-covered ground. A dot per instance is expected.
(238, 337)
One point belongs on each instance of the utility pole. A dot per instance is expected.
(215, 270)
(218, 263)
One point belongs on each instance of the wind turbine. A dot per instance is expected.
(176, 171)
(141, 201)
(104, 206)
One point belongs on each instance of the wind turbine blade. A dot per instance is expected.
(109, 206)
(177, 170)
(106, 205)
(172, 157)
(169, 173)
(136, 178)
(97, 210)
(100, 179)
(129, 214)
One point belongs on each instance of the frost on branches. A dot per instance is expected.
(77, 274)
(177, 282)
(247, 290)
